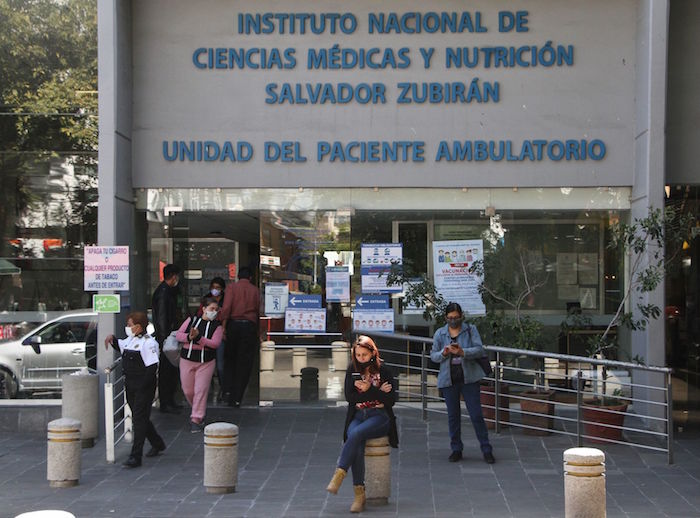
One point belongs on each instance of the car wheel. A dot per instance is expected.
(8, 385)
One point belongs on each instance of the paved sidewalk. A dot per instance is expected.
(287, 455)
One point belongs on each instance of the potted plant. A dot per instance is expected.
(511, 277)
(651, 244)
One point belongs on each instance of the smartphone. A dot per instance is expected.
(356, 376)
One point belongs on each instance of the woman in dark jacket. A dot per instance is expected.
(370, 390)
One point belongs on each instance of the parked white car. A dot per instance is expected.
(37, 361)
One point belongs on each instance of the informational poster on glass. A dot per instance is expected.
(276, 295)
(305, 320)
(451, 263)
(374, 320)
(587, 297)
(106, 268)
(337, 284)
(566, 268)
(587, 268)
(411, 309)
(376, 262)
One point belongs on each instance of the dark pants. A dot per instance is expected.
(239, 356)
(369, 423)
(140, 389)
(471, 394)
(168, 377)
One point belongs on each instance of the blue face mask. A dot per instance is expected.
(455, 323)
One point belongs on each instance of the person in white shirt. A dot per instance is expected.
(140, 355)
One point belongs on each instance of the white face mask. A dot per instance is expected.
(128, 331)
(215, 292)
(211, 315)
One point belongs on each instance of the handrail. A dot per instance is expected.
(570, 385)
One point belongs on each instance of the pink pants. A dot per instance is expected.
(195, 378)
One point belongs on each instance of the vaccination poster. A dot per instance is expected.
(376, 262)
(451, 263)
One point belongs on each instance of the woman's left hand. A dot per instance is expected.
(385, 387)
(362, 386)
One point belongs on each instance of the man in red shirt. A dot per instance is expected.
(240, 317)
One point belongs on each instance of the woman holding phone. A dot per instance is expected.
(456, 348)
(370, 390)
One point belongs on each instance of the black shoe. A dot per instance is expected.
(154, 452)
(169, 409)
(455, 456)
(488, 458)
(196, 427)
(132, 462)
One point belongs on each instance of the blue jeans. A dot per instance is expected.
(367, 424)
(470, 393)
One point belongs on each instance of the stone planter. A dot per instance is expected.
(488, 404)
(599, 421)
(542, 406)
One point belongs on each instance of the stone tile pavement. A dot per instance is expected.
(287, 455)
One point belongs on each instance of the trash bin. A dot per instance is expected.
(309, 384)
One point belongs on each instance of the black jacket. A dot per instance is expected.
(352, 395)
(164, 307)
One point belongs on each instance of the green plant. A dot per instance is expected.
(421, 293)
(651, 244)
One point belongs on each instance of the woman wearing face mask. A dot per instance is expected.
(456, 347)
(370, 390)
(216, 290)
(201, 337)
(140, 363)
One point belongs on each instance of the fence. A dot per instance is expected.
(117, 412)
(567, 402)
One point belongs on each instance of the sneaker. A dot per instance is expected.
(455, 456)
(196, 427)
(489, 458)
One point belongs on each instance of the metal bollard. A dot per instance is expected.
(308, 390)
(267, 356)
(584, 483)
(298, 360)
(340, 355)
(377, 471)
(220, 458)
(63, 453)
(80, 400)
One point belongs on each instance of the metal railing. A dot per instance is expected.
(565, 403)
(118, 424)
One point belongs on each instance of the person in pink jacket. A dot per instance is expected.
(201, 337)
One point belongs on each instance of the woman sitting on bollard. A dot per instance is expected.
(202, 337)
(140, 363)
(370, 390)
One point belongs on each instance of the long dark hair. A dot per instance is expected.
(367, 343)
(453, 306)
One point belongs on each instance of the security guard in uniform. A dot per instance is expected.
(140, 363)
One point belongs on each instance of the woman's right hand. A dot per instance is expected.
(194, 332)
(362, 386)
(109, 341)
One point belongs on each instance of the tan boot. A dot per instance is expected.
(337, 479)
(358, 505)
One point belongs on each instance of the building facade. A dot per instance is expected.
(286, 137)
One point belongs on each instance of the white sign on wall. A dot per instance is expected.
(373, 320)
(106, 268)
(374, 94)
(276, 296)
(451, 263)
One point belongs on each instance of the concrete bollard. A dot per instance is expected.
(267, 356)
(298, 360)
(308, 389)
(340, 355)
(220, 458)
(584, 483)
(80, 400)
(63, 453)
(377, 471)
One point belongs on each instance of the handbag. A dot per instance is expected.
(485, 365)
(171, 349)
